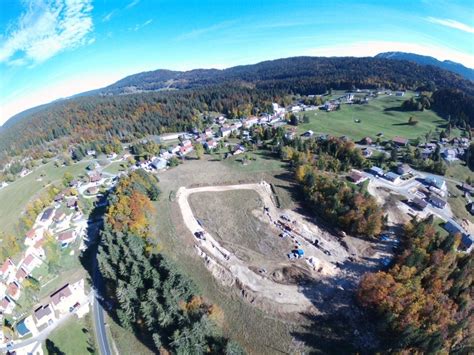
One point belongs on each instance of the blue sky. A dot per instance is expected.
(55, 48)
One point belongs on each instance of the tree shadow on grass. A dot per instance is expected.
(395, 109)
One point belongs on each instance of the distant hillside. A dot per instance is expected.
(425, 60)
(298, 73)
(163, 100)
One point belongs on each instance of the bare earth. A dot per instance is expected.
(329, 267)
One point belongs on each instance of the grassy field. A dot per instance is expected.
(258, 332)
(459, 171)
(114, 167)
(458, 203)
(75, 337)
(16, 196)
(229, 216)
(125, 341)
(379, 115)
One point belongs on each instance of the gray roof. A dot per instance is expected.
(42, 311)
(377, 170)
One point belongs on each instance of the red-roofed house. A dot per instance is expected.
(30, 263)
(66, 237)
(185, 150)
(33, 235)
(400, 141)
(14, 290)
(21, 274)
(6, 305)
(8, 270)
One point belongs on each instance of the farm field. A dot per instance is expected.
(74, 337)
(16, 196)
(379, 115)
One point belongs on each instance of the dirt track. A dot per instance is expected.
(231, 270)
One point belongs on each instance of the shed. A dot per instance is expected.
(391, 176)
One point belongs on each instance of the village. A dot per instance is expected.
(62, 223)
(423, 194)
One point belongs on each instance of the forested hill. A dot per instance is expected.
(458, 68)
(308, 74)
(236, 91)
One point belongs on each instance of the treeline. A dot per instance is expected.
(88, 119)
(151, 297)
(456, 105)
(235, 92)
(424, 301)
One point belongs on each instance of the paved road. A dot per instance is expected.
(99, 322)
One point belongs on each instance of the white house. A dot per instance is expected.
(6, 305)
(8, 270)
(225, 131)
(30, 263)
(69, 296)
(34, 235)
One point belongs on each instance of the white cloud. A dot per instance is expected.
(141, 25)
(200, 31)
(46, 29)
(109, 16)
(371, 48)
(452, 23)
(132, 4)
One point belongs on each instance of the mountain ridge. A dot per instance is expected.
(450, 65)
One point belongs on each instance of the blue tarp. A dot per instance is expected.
(300, 252)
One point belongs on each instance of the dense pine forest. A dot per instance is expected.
(243, 90)
(152, 298)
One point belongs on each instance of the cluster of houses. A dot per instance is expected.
(67, 299)
(210, 137)
(53, 221)
(433, 191)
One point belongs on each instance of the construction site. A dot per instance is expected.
(278, 259)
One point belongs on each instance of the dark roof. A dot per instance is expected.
(420, 202)
(355, 176)
(466, 241)
(452, 227)
(437, 200)
(47, 214)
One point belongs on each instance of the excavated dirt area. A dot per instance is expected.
(237, 230)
